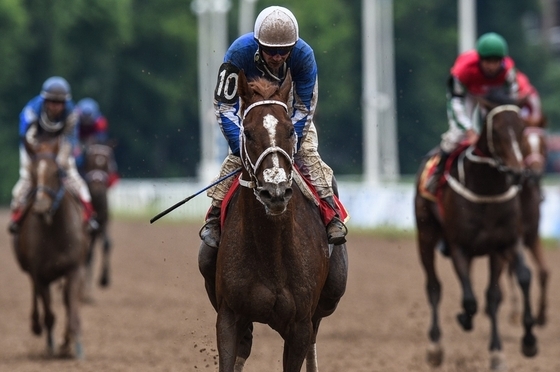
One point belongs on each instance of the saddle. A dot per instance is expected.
(327, 213)
(430, 168)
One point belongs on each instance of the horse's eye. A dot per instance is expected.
(292, 132)
(248, 135)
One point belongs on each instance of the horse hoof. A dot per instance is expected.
(465, 321)
(36, 329)
(529, 346)
(541, 320)
(497, 361)
(104, 282)
(434, 355)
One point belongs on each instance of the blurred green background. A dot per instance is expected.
(138, 59)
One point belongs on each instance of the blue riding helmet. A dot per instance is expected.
(88, 108)
(56, 88)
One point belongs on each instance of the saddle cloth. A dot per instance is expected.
(430, 168)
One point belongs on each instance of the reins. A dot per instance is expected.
(459, 185)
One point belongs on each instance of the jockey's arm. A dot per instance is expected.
(305, 89)
(456, 107)
(226, 105)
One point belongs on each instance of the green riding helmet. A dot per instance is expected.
(491, 45)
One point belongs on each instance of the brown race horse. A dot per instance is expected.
(96, 170)
(273, 264)
(477, 213)
(534, 152)
(52, 245)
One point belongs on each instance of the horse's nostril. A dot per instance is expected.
(265, 195)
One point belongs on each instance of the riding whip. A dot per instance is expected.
(175, 206)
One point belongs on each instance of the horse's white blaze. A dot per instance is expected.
(275, 174)
(515, 145)
(41, 170)
(534, 142)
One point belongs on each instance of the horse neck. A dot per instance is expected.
(261, 227)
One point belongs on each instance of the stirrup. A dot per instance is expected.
(13, 227)
(338, 236)
(210, 233)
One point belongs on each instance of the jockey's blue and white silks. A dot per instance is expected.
(31, 114)
(243, 55)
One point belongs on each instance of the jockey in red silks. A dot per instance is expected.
(475, 73)
(51, 113)
(532, 109)
(93, 128)
(269, 51)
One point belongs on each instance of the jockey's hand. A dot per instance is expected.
(471, 136)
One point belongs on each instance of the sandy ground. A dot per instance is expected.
(156, 316)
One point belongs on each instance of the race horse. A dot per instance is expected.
(272, 265)
(534, 152)
(52, 245)
(96, 172)
(476, 212)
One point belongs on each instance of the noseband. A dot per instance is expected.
(252, 167)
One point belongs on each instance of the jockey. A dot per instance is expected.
(51, 113)
(269, 51)
(475, 73)
(93, 128)
(531, 111)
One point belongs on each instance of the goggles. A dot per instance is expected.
(272, 51)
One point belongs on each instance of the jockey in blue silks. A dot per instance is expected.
(269, 51)
(51, 113)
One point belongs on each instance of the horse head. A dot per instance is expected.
(534, 148)
(46, 175)
(97, 163)
(267, 141)
(501, 136)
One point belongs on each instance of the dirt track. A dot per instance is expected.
(156, 316)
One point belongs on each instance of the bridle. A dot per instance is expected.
(493, 161)
(248, 163)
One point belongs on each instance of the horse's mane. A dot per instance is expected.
(264, 87)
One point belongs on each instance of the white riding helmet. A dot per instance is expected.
(276, 26)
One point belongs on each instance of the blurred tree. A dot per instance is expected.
(138, 58)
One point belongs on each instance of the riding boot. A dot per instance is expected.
(89, 217)
(15, 219)
(433, 181)
(336, 230)
(210, 232)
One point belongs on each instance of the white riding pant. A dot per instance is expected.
(73, 182)
(307, 159)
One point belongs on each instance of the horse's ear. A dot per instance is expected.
(243, 89)
(286, 87)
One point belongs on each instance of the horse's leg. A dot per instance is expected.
(105, 279)
(87, 282)
(229, 332)
(538, 255)
(429, 234)
(207, 257)
(311, 363)
(529, 341)
(35, 323)
(72, 337)
(514, 314)
(493, 299)
(297, 342)
(462, 265)
(43, 290)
